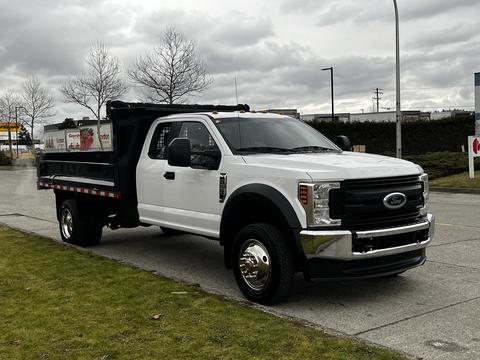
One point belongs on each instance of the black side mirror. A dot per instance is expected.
(178, 152)
(343, 143)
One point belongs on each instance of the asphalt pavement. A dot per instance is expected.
(432, 312)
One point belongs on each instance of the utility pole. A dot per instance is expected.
(10, 139)
(377, 97)
(16, 127)
(398, 128)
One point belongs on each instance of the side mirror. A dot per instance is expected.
(178, 152)
(343, 143)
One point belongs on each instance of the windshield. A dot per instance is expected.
(272, 135)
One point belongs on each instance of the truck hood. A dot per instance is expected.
(337, 166)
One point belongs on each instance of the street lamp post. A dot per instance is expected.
(399, 110)
(16, 124)
(331, 87)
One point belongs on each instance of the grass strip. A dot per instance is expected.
(458, 181)
(57, 302)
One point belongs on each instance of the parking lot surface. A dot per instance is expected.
(431, 312)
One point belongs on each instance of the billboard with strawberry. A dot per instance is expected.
(89, 138)
(86, 139)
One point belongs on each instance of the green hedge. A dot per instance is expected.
(417, 137)
(440, 164)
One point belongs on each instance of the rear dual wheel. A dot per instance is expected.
(76, 228)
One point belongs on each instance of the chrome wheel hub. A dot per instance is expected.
(255, 264)
(66, 223)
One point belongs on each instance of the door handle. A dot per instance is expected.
(169, 175)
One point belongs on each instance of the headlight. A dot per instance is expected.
(315, 198)
(424, 179)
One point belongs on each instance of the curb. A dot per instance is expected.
(455, 190)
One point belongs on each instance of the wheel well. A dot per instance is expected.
(248, 208)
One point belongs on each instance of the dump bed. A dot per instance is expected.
(111, 173)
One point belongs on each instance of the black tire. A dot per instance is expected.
(271, 252)
(76, 228)
(168, 231)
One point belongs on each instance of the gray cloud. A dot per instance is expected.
(436, 37)
(301, 6)
(429, 8)
(53, 39)
(234, 30)
(264, 57)
(244, 31)
(332, 12)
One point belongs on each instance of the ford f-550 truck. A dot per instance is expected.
(279, 196)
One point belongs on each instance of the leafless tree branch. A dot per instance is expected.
(37, 103)
(173, 70)
(8, 102)
(101, 82)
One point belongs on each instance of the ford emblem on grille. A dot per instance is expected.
(394, 200)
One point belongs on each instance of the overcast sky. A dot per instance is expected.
(275, 48)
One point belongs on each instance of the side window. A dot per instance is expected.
(160, 140)
(199, 136)
(202, 145)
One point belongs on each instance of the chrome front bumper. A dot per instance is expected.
(339, 244)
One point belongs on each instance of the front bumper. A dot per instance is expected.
(355, 254)
(341, 244)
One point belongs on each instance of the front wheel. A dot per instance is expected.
(262, 263)
(75, 228)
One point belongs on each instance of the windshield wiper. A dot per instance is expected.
(312, 148)
(264, 149)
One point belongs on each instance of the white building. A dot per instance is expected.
(342, 117)
(391, 116)
(438, 115)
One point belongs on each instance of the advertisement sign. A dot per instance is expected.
(6, 126)
(89, 138)
(55, 140)
(473, 152)
(83, 138)
(73, 139)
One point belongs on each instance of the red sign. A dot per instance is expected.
(476, 146)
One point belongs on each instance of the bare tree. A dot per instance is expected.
(37, 103)
(101, 82)
(173, 70)
(8, 102)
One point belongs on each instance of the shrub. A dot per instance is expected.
(4, 159)
(440, 164)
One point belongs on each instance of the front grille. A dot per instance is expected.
(359, 203)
